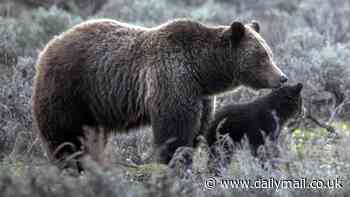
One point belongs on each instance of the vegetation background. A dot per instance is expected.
(311, 43)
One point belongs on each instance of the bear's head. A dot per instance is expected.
(252, 57)
(287, 101)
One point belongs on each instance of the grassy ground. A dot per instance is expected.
(307, 154)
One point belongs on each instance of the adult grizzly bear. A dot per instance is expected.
(103, 73)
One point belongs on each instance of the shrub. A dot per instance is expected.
(52, 22)
(15, 106)
(78, 7)
(323, 68)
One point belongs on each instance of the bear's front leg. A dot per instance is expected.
(208, 109)
(175, 126)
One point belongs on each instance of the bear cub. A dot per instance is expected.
(266, 115)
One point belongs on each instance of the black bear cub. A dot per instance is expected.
(266, 115)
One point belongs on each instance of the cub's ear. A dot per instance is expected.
(235, 32)
(297, 88)
(255, 25)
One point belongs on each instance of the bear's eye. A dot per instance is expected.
(290, 98)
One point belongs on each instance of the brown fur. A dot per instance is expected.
(104, 73)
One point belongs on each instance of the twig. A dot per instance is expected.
(60, 147)
(320, 124)
(32, 145)
(336, 110)
(126, 164)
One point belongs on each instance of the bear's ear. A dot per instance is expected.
(297, 88)
(235, 32)
(255, 25)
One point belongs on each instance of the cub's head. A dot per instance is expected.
(253, 57)
(287, 101)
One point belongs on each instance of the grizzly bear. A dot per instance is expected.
(267, 114)
(104, 73)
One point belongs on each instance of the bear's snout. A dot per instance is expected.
(276, 78)
(279, 81)
(283, 79)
